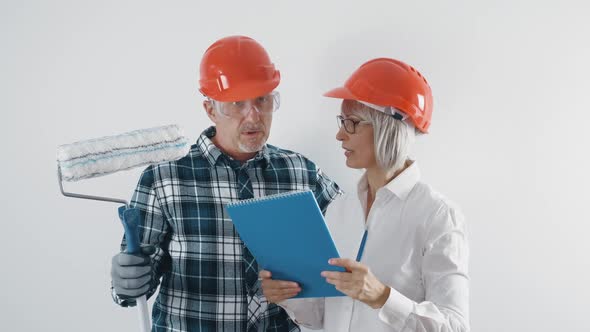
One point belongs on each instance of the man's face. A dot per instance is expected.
(243, 127)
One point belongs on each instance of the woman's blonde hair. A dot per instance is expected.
(393, 138)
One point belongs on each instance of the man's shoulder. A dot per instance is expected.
(275, 152)
(194, 158)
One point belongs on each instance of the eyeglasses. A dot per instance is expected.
(349, 124)
(266, 104)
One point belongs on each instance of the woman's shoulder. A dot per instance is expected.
(434, 205)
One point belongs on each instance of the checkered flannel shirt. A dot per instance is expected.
(200, 262)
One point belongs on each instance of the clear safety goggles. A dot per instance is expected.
(237, 109)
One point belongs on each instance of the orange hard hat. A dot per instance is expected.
(237, 68)
(390, 83)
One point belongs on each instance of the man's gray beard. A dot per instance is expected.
(250, 148)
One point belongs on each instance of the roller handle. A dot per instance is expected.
(130, 218)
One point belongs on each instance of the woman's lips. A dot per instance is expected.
(347, 152)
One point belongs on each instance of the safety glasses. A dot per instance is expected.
(266, 104)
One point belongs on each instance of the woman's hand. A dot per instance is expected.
(276, 291)
(357, 282)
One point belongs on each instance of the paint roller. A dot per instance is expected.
(106, 155)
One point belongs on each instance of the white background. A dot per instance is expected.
(508, 143)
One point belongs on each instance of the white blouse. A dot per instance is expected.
(416, 245)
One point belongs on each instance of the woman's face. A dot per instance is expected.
(359, 148)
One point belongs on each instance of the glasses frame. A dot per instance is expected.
(217, 105)
(342, 121)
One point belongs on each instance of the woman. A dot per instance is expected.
(410, 271)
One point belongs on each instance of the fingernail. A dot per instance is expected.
(323, 274)
(330, 261)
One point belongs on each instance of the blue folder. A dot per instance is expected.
(288, 236)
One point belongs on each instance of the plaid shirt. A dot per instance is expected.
(204, 267)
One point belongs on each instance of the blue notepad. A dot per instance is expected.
(288, 236)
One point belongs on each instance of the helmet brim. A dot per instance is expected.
(245, 91)
(340, 93)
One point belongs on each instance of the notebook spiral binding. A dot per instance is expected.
(269, 197)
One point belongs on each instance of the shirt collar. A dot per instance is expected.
(404, 182)
(214, 155)
(400, 186)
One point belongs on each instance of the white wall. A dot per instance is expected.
(508, 141)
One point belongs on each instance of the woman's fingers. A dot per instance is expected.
(263, 274)
(278, 295)
(282, 292)
(277, 290)
(346, 276)
(278, 284)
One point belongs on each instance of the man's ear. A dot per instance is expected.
(210, 110)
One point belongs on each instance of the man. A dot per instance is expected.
(208, 278)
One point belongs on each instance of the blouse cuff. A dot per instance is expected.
(396, 309)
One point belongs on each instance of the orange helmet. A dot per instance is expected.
(390, 82)
(237, 68)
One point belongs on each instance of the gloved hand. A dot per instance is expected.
(132, 273)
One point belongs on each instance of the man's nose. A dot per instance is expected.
(253, 113)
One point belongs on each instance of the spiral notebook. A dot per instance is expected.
(288, 236)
